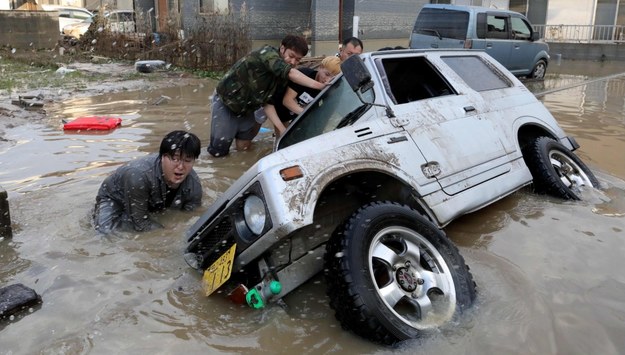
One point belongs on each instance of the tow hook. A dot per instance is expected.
(259, 295)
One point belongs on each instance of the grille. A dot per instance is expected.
(213, 242)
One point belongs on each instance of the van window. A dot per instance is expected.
(442, 23)
(520, 29)
(476, 73)
(412, 79)
(497, 27)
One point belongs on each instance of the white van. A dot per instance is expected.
(69, 14)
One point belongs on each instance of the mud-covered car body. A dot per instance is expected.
(441, 132)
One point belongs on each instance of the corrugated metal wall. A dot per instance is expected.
(272, 19)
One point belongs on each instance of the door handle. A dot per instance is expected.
(468, 109)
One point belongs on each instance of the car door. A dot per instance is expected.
(493, 29)
(449, 126)
(523, 49)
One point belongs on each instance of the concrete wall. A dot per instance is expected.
(29, 29)
(387, 19)
(583, 51)
(388, 22)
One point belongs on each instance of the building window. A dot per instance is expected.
(213, 6)
(519, 6)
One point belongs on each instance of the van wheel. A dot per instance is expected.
(539, 70)
(391, 274)
(556, 170)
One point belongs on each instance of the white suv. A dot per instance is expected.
(68, 14)
(115, 21)
(363, 181)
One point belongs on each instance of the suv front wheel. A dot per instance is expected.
(391, 274)
(556, 170)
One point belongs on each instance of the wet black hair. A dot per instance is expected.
(297, 44)
(188, 144)
(355, 41)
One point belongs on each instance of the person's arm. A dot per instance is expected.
(290, 101)
(272, 115)
(136, 199)
(298, 77)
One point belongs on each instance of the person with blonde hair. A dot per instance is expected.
(298, 96)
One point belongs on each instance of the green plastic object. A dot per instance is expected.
(256, 300)
(275, 287)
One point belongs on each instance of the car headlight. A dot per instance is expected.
(254, 213)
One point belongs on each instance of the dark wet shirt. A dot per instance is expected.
(304, 95)
(253, 80)
(139, 187)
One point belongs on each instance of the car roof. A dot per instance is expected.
(117, 11)
(54, 7)
(446, 51)
(467, 8)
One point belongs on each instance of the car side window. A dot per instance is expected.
(497, 27)
(412, 79)
(125, 17)
(520, 29)
(80, 15)
(476, 73)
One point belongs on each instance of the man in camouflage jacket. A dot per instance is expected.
(249, 85)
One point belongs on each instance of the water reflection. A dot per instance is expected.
(548, 271)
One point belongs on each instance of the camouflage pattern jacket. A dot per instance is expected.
(252, 81)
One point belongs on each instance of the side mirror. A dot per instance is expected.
(535, 36)
(356, 73)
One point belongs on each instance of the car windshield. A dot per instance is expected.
(336, 107)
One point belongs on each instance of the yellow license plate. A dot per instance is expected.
(218, 273)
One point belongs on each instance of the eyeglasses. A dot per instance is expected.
(177, 160)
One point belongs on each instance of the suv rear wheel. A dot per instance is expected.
(556, 170)
(391, 273)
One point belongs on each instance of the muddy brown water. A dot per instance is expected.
(549, 272)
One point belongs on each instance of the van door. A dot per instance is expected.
(524, 50)
(493, 31)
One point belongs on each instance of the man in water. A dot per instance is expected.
(349, 47)
(151, 183)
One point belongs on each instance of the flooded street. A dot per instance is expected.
(548, 271)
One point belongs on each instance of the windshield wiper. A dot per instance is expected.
(353, 116)
(431, 30)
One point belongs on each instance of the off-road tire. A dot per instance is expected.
(556, 170)
(355, 293)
